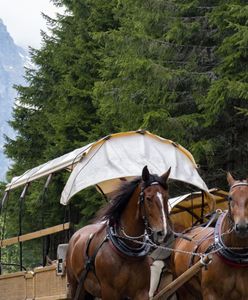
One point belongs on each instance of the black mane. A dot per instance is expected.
(118, 203)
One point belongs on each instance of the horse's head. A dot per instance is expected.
(238, 205)
(154, 204)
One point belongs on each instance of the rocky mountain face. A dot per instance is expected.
(12, 61)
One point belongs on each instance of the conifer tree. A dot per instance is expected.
(55, 113)
(226, 102)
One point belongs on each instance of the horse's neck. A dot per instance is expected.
(229, 235)
(131, 219)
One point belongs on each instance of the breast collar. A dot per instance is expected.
(230, 257)
(123, 249)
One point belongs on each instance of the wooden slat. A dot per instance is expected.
(35, 234)
(57, 297)
(13, 275)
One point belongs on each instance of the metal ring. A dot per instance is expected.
(219, 211)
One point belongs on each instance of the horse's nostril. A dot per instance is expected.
(160, 233)
(241, 227)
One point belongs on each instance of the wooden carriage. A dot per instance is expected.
(105, 164)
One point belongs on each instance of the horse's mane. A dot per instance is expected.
(118, 201)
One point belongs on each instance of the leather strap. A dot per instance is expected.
(89, 264)
(123, 248)
(229, 256)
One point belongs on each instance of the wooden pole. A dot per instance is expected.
(179, 281)
(35, 234)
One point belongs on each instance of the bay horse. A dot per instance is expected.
(226, 277)
(109, 258)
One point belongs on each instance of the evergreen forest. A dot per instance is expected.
(177, 68)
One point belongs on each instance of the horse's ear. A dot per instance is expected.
(230, 179)
(165, 176)
(145, 174)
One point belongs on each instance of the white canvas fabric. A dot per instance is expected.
(121, 156)
(63, 162)
(124, 155)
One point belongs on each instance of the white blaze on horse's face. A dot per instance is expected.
(156, 212)
(160, 197)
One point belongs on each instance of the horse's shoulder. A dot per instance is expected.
(84, 232)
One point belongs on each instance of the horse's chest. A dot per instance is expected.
(237, 290)
(230, 284)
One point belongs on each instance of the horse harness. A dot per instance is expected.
(89, 264)
(230, 257)
(116, 241)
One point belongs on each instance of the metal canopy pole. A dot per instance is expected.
(21, 200)
(44, 197)
(6, 194)
(202, 206)
(3, 201)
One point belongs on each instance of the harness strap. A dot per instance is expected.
(212, 219)
(125, 250)
(89, 264)
(229, 256)
(197, 246)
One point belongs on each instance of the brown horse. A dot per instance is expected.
(109, 259)
(226, 277)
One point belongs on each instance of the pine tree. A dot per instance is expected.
(55, 113)
(227, 97)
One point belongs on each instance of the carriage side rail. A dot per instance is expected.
(35, 234)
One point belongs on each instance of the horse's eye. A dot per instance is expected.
(230, 198)
(149, 199)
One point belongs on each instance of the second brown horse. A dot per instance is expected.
(226, 277)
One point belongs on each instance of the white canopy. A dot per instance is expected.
(121, 156)
(66, 161)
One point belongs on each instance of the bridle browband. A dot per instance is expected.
(228, 255)
(238, 184)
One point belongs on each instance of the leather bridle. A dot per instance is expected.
(142, 207)
(119, 241)
(230, 199)
(231, 257)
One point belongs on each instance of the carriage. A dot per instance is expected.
(105, 164)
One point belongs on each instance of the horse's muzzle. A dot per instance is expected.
(241, 229)
(158, 236)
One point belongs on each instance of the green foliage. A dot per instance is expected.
(226, 102)
(176, 68)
